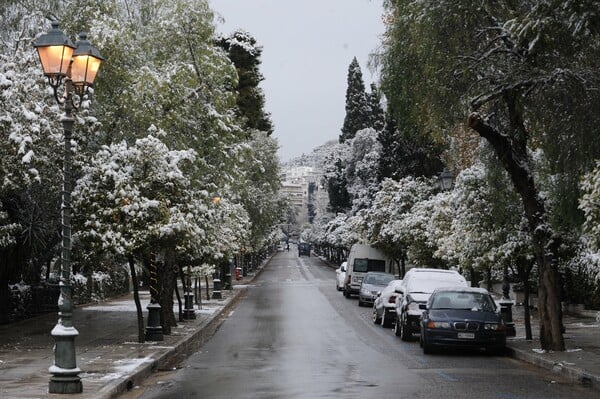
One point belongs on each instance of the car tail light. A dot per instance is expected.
(392, 299)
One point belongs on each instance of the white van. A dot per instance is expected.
(361, 260)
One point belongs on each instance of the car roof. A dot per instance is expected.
(428, 269)
(461, 289)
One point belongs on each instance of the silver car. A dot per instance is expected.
(384, 307)
(371, 285)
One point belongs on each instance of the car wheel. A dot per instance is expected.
(385, 321)
(360, 303)
(397, 327)
(376, 318)
(405, 335)
(427, 349)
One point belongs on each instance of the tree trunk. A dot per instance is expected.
(136, 299)
(474, 277)
(207, 291)
(527, 315)
(169, 279)
(180, 307)
(512, 152)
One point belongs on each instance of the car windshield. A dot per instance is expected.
(476, 301)
(378, 279)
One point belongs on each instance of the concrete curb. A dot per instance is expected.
(172, 355)
(571, 373)
(180, 350)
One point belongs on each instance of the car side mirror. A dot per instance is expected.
(343, 269)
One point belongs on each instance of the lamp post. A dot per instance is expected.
(446, 180)
(75, 65)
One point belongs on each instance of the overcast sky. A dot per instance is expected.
(307, 47)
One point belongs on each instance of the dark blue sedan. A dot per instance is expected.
(462, 317)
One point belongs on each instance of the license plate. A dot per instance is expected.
(466, 335)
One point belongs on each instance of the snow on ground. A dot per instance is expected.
(125, 366)
(117, 306)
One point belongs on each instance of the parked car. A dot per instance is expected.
(384, 307)
(361, 260)
(340, 276)
(372, 285)
(462, 317)
(279, 248)
(303, 249)
(416, 287)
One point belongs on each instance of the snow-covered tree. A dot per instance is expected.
(388, 228)
(245, 53)
(527, 70)
(362, 167)
(334, 174)
(590, 205)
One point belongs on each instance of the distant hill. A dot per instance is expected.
(315, 159)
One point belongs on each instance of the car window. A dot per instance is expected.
(361, 265)
(376, 265)
(476, 301)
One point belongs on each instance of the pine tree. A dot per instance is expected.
(357, 108)
(377, 120)
(388, 137)
(244, 52)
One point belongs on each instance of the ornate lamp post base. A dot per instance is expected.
(506, 311)
(188, 311)
(154, 331)
(65, 383)
(65, 373)
(216, 294)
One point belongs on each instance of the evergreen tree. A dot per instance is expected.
(245, 54)
(407, 154)
(339, 199)
(357, 108)
(376, 111)
(388, 137)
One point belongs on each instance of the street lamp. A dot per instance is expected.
(76, 65)
(446, 179)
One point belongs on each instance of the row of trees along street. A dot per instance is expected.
(177, 119)
(505, 95)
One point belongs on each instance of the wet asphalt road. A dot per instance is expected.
(295, 336)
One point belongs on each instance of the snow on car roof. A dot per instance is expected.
(463, 289)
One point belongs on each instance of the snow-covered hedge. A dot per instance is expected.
(20, 301)
(101, 286)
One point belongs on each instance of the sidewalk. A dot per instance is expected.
(108, 354)
(580, 363)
